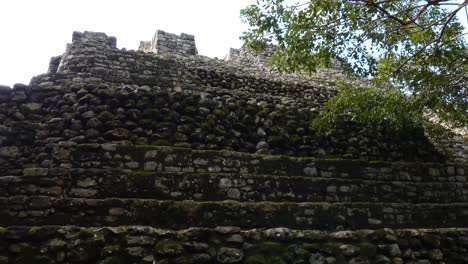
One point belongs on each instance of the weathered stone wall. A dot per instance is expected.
(455, 149)
(70, 109)
(83, 176)
(265, 191)
(167, 43)
(21, 116)
(218, 186)
(99, 171)
(168, 159)
(99, 58)
(230, 245)
(198, 102)
(46, 210)
(220, 107)
(110, 138)
(260, 62)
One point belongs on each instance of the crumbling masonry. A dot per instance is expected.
(165, 156)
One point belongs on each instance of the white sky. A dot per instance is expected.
(32, 31)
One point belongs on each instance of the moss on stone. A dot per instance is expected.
(295, 139)
(331, 247)
(431, 240)
(311, 246)
(114, 260)
(169, 247)
(271, 247)
(180, 233)
(33, 230)
(141, 173)
(367, 250)
(219, 113)
(161, 142)
(378, 163)
(31, 258)
(256, 259)
(38, 125)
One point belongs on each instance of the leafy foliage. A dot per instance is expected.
(390, 109)
(417, 46)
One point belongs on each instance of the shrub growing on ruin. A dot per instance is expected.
(370, 106)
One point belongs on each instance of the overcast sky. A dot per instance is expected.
(32, 31)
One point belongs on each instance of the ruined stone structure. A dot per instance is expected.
(165, 156)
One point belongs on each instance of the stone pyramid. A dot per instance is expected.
(164, 156)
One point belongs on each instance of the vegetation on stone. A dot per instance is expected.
(119, 156)
(417, 46)
(388, 109)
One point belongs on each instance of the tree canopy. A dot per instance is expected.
(418, 46)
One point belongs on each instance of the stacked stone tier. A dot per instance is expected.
(102, 183)
(167, 187)
(138, 244)
(44, 210)
(119, 156)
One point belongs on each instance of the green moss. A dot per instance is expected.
(263, 113)
(38, 125)
(311, 246)
(219, 113)
(431, 240)
(300, 159)
(180, 233)
(380, 233)
(161, 142)
(331, 247)
(33, 230)
(88, 147)
(170, 117)
(183, 260)
(277, 260)
(98, 234)
(210, 138)
(295, 139)
(141, 173)
(148, 111)
(332, 158)
(130, 103)
(31, 258)
(168, 247)
(251, 109)
(256, 259)
(114, 260)
(270, 247)
(143, 101)
(168, 124)
(379, 163)
(367, 250)
(403, 242)
(191, 110)
(126, 148)
(275, 139)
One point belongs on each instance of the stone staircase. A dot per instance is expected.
(125, 157)
(233, 207)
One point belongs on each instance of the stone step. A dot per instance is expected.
(233, 186)
(43, 210)
(33, 185)
(144, 244)
(250, 188)
(171, 159)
